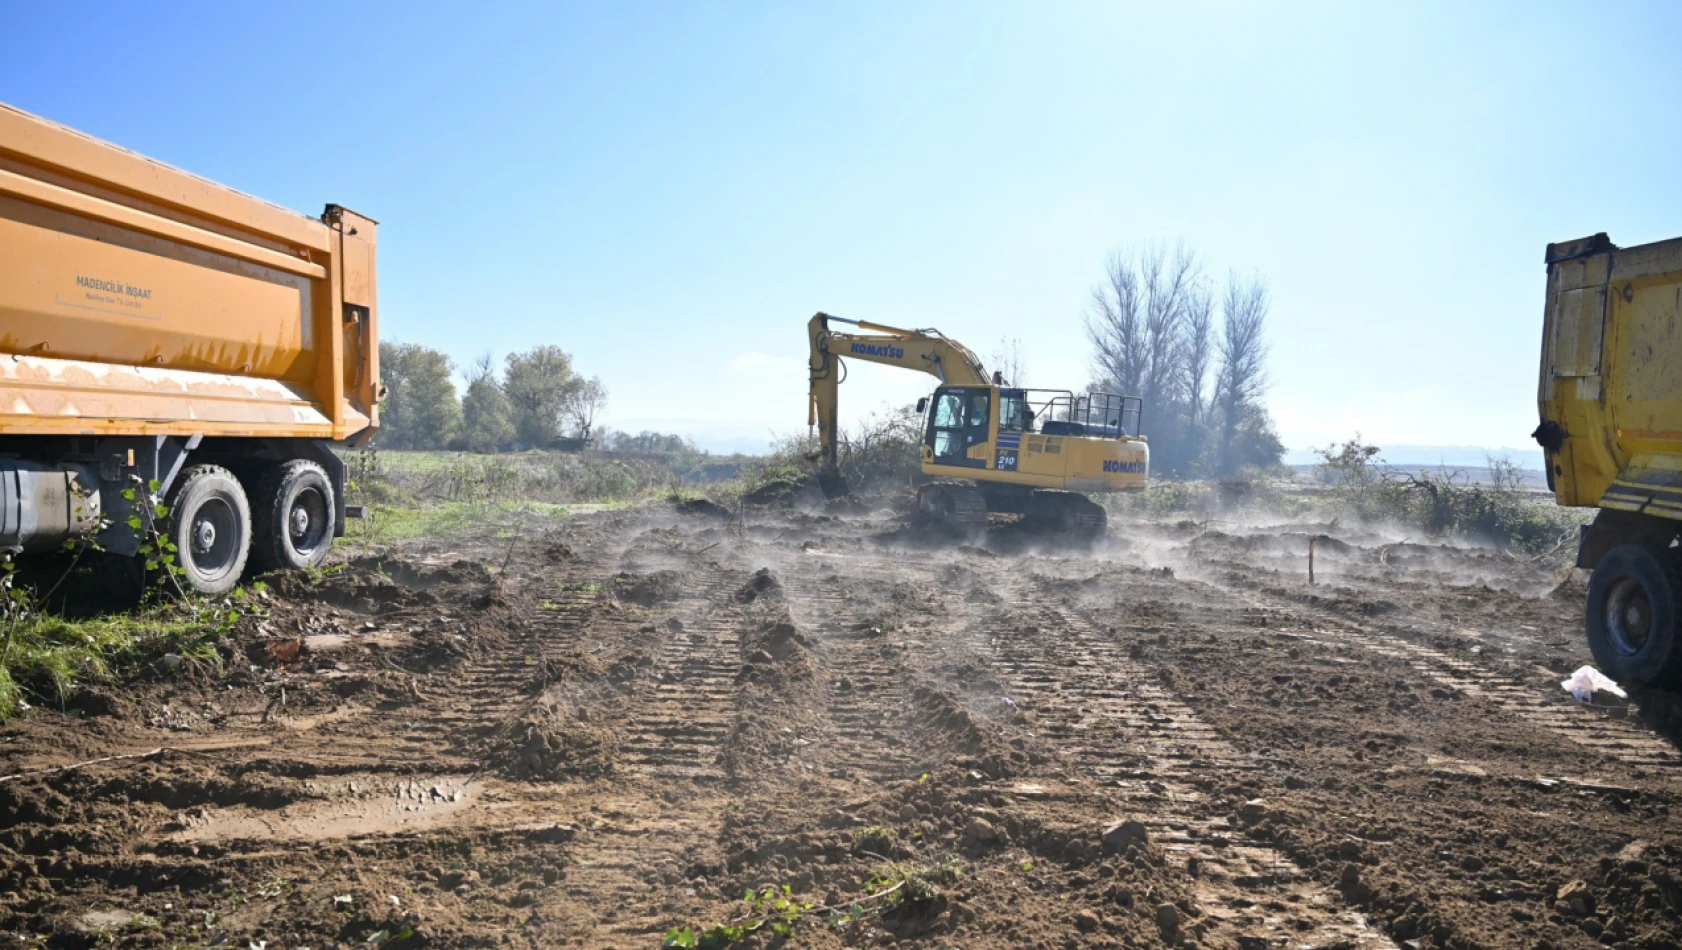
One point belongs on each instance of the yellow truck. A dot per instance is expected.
(164, 336)
(1611, 406)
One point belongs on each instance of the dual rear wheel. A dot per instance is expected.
(287, 523)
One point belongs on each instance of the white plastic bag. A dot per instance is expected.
(1586, 680)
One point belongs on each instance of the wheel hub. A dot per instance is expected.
(204, 536)
(1629, 616)
(300, 522)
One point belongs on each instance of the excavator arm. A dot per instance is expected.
(925, 351)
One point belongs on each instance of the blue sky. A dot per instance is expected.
(670, 190)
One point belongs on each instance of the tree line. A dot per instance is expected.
(535, 399)
(1195, 351)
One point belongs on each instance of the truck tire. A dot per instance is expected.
(293, 515)
(1631, 616)
(209, 522)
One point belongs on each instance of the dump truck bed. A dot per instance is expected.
(138, 299)
(1611, 375)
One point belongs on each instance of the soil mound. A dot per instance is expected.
(648, 590)
(764, 584)
(554, 743)
(781, 492)
(777, 689)
(699, 507)
(950, 730)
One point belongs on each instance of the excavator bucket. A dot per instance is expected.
(834, 484)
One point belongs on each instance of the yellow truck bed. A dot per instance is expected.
(136, 298)
(1611, 381)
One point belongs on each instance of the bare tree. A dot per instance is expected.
(588, 401)
(1170, 283)
(1142, 327)
(1243, 352)
(1154, 334)
(1009, 362)
(1200, 342)
(1116, 326)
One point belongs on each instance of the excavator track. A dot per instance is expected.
(1069, 514)
(955, 508)
(1083, 518)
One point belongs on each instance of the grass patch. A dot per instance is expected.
(387, 523)
(423, 478)
(45, 658)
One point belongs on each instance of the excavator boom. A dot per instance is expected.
(924, 351)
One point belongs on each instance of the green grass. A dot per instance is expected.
(387, 524)
(430, 477)
(45, 658)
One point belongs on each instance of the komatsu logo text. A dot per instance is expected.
(1111, 465)
(871, 349)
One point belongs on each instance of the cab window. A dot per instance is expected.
(959, 421)
(979, 404)
(1013, 412)
(949, 411)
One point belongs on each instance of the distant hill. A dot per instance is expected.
(1434, 456)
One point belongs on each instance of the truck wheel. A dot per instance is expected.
(209, 523)
(294, 517)
(1631, 615)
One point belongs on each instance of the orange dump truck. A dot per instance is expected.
(163, 333)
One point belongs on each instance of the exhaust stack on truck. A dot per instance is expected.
(161, 331)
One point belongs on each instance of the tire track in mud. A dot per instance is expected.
(1621, 739)
(866, 698)
(626, 837)
(678, 731)
(675, 729)
(1083, 687)
(413, 767)
(492, 688)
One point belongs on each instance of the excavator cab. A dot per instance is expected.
(960, 422)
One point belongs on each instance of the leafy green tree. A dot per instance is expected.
(548, 395)
(650, 442)
(420, 409)
(487, 415)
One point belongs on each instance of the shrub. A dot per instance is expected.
(1445, 504)
(882, 452)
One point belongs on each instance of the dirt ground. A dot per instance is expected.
(589, 737)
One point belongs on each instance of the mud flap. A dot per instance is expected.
(1612, 528)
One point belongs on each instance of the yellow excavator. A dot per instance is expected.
(987, 445)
